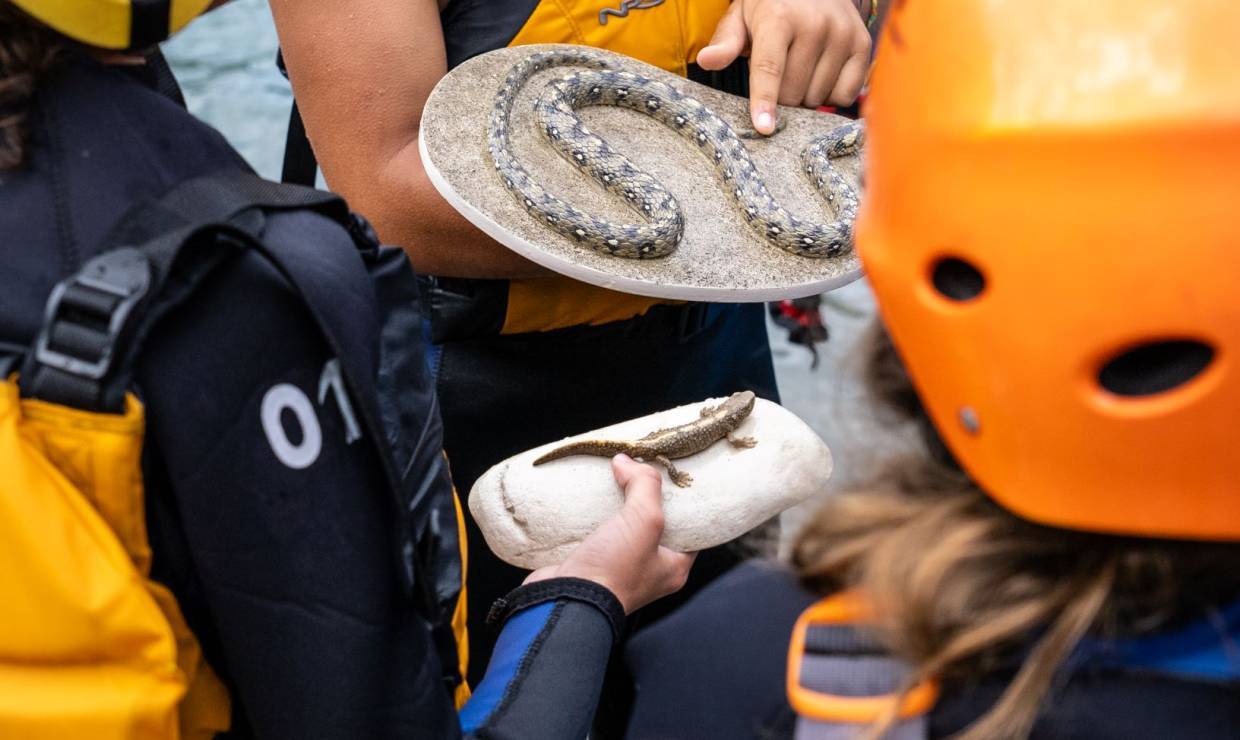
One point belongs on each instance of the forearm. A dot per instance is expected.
(407, 211)
(547, 670)
(361, 71)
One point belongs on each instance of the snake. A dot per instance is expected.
(603, 82)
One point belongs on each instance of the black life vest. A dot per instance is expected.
(105, 145)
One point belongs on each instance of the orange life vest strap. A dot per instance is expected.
(831, 663)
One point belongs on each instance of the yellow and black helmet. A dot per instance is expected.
(115, 24)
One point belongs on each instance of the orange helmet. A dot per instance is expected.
(1052, 228)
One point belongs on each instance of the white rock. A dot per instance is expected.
(534, 516)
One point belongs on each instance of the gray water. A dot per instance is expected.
(226, 65)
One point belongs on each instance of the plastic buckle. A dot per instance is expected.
(123, 274)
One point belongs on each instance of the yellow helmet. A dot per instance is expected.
(115, 24)
(1051, 227)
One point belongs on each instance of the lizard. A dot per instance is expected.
(664, 445)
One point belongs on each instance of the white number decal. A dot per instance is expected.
(332, 379)
(276, 400)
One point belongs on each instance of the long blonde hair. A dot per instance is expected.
(960, 584)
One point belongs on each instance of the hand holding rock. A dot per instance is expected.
(624, 554)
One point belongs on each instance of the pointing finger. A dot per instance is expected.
(767, 63)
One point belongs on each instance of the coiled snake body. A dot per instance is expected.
(658, 236)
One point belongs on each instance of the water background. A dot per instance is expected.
(226, 65)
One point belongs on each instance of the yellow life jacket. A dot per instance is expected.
(90, 646)
(666, 33)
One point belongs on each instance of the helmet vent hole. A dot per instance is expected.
(957, 280)
(1155, 367)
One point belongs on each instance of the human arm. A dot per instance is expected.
(801, 52)
(547, 670)
(361, 71)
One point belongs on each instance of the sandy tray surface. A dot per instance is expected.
(720, 257)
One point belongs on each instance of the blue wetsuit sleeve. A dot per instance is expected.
(547, 670)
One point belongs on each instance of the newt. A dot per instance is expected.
(663, 446)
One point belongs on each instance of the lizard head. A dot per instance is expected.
(741, 403)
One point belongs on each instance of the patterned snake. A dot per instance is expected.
(605, 84)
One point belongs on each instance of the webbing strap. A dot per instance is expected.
(97, 319)
(839, 661)
(149, 22)
(220, 198)
(841, 679)
(160, 77)
(301, 167)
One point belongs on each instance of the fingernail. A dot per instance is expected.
(765, 121)
(624, 458)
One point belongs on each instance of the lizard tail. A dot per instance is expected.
(584, 447)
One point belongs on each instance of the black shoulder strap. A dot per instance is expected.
(235, 204)
(221, 199)
(97, 320)
(300, 165)
(162, 78)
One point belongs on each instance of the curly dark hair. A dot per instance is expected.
(28, 52)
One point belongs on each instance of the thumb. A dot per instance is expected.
(643, 500)
(730, 39)
(623, 468)
(642, 484)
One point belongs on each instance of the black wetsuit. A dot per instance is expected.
(282, 565)
(716, 669)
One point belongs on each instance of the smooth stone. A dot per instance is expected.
(534, 516)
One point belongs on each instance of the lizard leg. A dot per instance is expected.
(706, 411)
(679, 477)
(737, 441)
